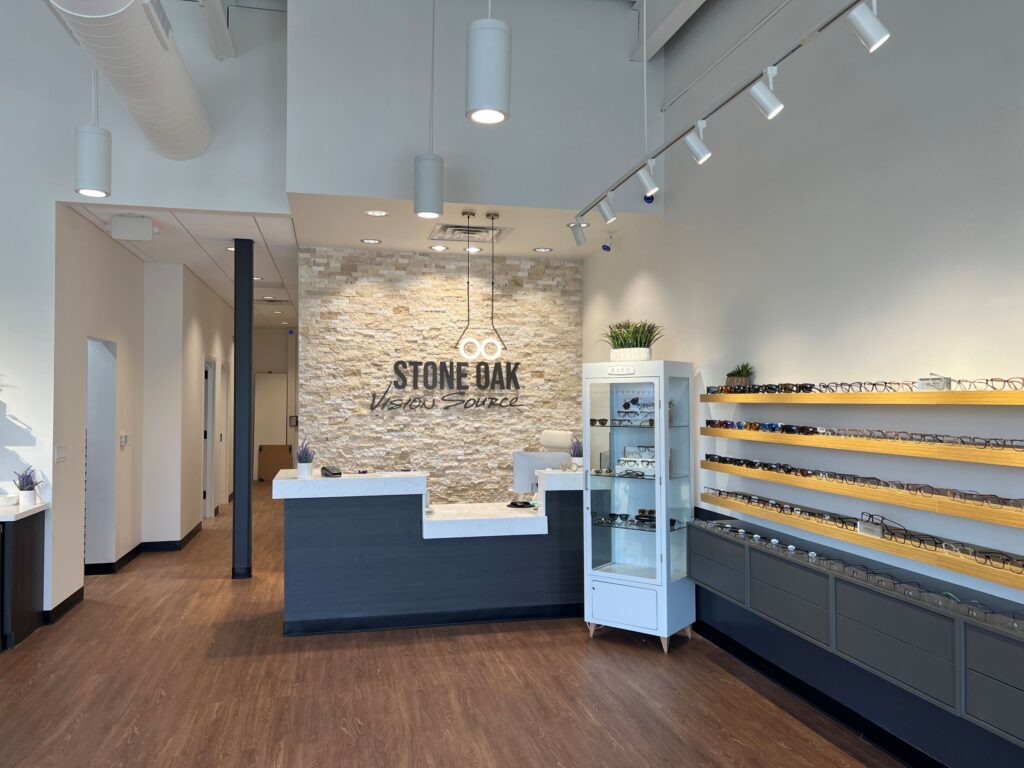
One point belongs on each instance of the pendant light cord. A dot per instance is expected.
(433, 44)
(643, 45)
(468, 254)
(95, 97)
(497, 335)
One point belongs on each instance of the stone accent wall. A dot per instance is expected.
(361, 310)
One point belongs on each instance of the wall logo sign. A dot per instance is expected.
(428, 385)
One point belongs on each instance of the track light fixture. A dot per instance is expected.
(578, 234)
(606, 246)
(694, 142)
(428, 170)
(764, 95)
(866, 25)
(605, 207)
(646, 178)
(488, 70)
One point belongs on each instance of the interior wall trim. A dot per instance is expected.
(104, 569)
(172, 546)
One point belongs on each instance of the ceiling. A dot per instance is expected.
(200, 239)
(329, 220)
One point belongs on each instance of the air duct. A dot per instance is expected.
(130, 42)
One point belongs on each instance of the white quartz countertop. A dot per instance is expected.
(460, 521)
(287, 485)
(559, 480)
(15, 513)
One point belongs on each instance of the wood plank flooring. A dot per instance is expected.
(171, 663)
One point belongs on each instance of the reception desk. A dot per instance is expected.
(369, 551)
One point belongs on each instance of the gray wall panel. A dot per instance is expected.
(717, 576)
(806, 618)
(996, 656)
(801, 581)
(715, 548)
(995, 703)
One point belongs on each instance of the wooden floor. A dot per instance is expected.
(171, 663)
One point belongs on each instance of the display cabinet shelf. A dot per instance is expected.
(939, 558)
(938, 504)
(970, 397)
(1004, 457)
(623, 526)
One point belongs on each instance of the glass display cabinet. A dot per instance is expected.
(637, 497)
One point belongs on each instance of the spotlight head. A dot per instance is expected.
(646, 179)
(606, 246)
(865, 24)
(649, 199)
(694, 142)
(578, 234)
(606, 210)
(764, 95)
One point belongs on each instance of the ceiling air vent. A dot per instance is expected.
(461, 233)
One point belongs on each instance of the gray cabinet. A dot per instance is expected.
(973, 670)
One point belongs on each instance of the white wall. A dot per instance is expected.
(358, 100)
(99, 294)
(871, 231)
(161, 466)
(207, 334)
(101, 452)
(45, 79)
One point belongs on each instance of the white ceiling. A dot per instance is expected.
(330, 220)
(199, 240)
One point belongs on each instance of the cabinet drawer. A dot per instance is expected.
(789, 577)
(798, 614)
(996, 656)
(619, 604)
(714, 548)
(998, 704)
(919, 627)
(717, 577)
(908, 664)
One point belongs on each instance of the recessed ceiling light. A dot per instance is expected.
(472, 249)
(376, 213)
(277, 312)
(582, 224)
(230, 249)
(268, 298)
(543, 250)
(257, 278)
(439, 248)
(370, 241)
(284, 322)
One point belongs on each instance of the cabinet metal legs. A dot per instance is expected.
(664, 644)
(592, 628)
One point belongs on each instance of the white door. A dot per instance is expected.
(270, 415)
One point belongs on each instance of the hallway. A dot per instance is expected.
(171, 663)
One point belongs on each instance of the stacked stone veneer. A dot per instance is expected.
(361, 310)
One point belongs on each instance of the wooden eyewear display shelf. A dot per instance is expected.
(939, 558)
(969, 397)
(941, 505)
(1004, 457)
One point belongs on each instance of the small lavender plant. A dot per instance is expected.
(27, 480)
(305, 454)
(576, 448)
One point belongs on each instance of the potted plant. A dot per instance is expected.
(576, 453)
(304, 457)
(740, 376)
(26, 483)
(632, 340)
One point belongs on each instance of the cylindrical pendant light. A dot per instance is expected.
(428, 171)
(865, 23)
(92, 161)
(428, 191)
(694, 142)
(764, 95)
(606, 210)
(488, 71)
(92, 152)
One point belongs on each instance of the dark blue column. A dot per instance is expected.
(241, 534)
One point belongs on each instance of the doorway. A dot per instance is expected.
(100, 452)
(209, 438)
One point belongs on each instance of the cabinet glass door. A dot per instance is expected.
(622, 460)
(678, 483)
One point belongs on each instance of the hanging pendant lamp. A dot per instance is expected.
(428, 172)
(92, 152)
(468, 346)
(488, 70)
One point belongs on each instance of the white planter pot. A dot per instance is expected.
(305, 471)
(577, 462)
(631, 354)
(27, 498)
